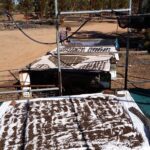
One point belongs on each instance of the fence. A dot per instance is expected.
(9, 25)
(10, 88)
(139, 70)
(32, 93)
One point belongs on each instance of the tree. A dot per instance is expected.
(46, 8)
(50, 8)
(146, 6)
(26, 6)
(7, 5)
(120, 4)
(40, 7)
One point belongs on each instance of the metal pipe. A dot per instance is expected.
(58, 48)
(92, 11)
(127, 49)
(17, 86)
(32, 90)
(126, 63)
(9, 70)
(130, 7)
(139, 82)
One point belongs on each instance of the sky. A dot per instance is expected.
(16, 1)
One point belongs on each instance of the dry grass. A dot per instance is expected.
(138, 71)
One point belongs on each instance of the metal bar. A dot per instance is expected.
(130, 12)
(13, 75)
(130, 7)
(127, 63)
(15, 86)
(93, 11)
(139, 82)
(9, 70)
(32, 90)
(58, 48)
(127, 50)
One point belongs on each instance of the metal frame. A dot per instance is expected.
(22, 91)
(58, 49)
(93, 11)
(32, 90)
(57, 14)
(127, 51)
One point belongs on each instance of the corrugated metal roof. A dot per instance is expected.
(86, 49)
(74, 62)
(99, 50)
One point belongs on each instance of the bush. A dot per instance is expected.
(147, 34)
(147, 46)
(147, 40)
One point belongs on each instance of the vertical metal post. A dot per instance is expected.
(126, 63)
(127, 49)
(58, 48)
(130, 7)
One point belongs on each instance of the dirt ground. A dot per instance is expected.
(16, 51)
(138, 71)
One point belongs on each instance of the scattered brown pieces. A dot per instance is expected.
(13, 103)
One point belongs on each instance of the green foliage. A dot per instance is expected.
(147, 34)
(146, 6)
(91, 4)
(45, 8)
(25, 6)
(7, 5)
(50, 9)
(147, 40)
(147, 46)
(40, 7)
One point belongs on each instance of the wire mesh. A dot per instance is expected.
(139, 70)
(18, 95)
